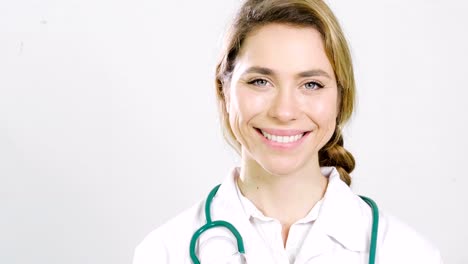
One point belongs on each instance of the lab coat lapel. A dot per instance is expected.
(341, 220)
(345, 217)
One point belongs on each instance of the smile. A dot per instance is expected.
(282, 139)
(289, 138)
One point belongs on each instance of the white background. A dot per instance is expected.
(108, 122)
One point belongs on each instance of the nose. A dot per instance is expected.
(284, 106)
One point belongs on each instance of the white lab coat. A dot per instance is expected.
(340, 234)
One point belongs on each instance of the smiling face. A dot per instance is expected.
(282, 99)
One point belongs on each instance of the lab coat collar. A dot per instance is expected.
(342, 215)
(227, 193)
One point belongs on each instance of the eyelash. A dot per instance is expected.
(319, 85)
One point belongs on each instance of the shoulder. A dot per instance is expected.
(171, 239)
(400, 243)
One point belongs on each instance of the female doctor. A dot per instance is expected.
(285, 87)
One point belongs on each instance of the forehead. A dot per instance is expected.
(284, 48)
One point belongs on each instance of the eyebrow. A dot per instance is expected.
(270, 72)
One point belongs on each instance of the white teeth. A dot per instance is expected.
(282, 139)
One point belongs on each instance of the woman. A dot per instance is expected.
(285, 87)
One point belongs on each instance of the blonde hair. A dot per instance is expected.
(302, 13)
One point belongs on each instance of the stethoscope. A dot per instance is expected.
(240, 242)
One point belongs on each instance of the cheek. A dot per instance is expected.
(323, 111)
(244, 106)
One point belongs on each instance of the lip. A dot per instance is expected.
(283, 146)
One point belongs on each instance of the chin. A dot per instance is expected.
(281, 167)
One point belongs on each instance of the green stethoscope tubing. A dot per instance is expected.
(211, 224)
(240, 242)
(375, 227)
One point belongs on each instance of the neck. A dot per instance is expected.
(287, 197)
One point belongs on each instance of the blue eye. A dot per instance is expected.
(313, 86)
(309, 86)
(259, 82)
